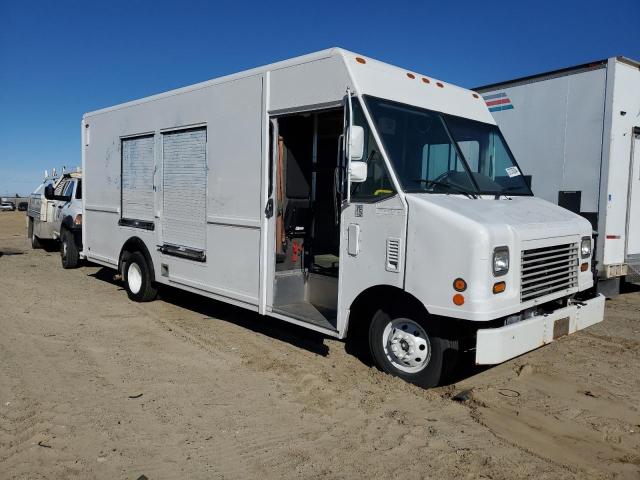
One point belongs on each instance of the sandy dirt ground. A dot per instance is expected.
(95, 386)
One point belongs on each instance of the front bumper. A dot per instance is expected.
(496, 345)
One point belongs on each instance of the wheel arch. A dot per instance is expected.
(135, 244)
(373, 298)
(67, 222)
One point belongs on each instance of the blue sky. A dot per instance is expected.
(59, 59)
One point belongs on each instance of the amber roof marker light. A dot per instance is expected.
(411, 76)
(458, 299)
(361, 60)
(425, 80)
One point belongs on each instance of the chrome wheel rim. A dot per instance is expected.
(134, 277)
(406, 345)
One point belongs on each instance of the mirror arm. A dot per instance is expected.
(348, 149)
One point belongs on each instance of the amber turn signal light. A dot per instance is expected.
(584, 267)
(499, 287)
(459, 285)
(458, 299)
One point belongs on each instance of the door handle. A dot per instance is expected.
(268, 210)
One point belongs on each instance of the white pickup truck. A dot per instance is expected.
(55, 214)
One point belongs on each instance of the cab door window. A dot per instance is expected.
(378, 185)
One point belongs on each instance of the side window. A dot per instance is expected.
(378, 185)
(61, 187)
(68, 190)
(79, 190)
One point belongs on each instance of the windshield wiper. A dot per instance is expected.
(505, 190)
(447, 185)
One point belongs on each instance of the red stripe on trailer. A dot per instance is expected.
(498, 102)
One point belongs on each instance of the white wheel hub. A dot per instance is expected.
(134, 277)
(406, 345)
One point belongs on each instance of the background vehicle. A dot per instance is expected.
(7, 206)
(55, 213)
(577, 133)
(339, 193)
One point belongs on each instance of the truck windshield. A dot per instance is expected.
(432, 152)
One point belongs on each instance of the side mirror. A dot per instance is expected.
(356, 143)
(358, 172)
(48, 192)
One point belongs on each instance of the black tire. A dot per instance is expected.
(68, 250)
(441, 348)
(140, 288)
(35, 241)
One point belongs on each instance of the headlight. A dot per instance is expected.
(500, 261)
(585, 247)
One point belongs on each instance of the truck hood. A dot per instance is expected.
(527, 217)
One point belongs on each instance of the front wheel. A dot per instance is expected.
(412, 346)
(137, 278)
(68, 250)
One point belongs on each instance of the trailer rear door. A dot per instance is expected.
(633, 211)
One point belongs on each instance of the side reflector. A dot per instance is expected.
(459, 285)
(361, 60)
(584, 267)
(458, 299)
(499, 287)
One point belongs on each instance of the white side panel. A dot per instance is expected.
(365, 265)
(555, 132)
(184, 185)
(313, 83)
(137, 178)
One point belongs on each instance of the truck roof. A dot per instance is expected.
(378, 77)
(539, 77)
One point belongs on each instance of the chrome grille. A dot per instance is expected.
(548, 270)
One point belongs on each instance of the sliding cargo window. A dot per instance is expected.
(137, 182)
(184, 192)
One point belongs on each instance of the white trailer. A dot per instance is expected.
(341, 194)
(576, 131)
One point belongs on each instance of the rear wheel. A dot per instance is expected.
(35, 241)
(413, 346)
(68, 250)
(137, 277)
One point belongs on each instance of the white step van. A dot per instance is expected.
(589, 160)
(341, 194)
